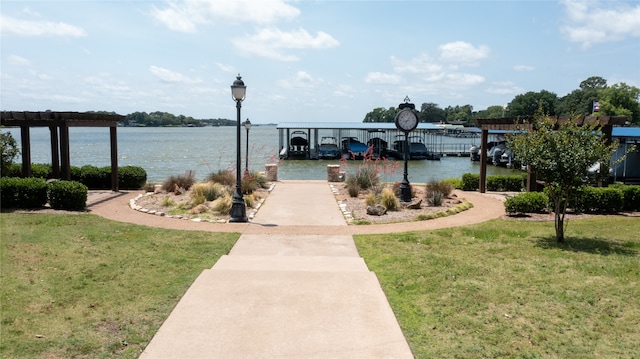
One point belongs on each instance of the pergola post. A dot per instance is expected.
(55, 151)
(114, 158)
(483, 160)
(25, 139)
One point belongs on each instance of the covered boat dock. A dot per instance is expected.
(307, 140)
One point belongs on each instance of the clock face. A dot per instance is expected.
(406, 120)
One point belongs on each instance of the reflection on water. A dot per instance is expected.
(165, 152)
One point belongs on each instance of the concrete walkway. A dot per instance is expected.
(299, 294)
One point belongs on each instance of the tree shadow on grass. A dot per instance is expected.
(590, 245)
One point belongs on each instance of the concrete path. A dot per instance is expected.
(299, 294)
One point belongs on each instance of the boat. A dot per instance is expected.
(352, 148)
(298, 145)
(379, 147)
(417, 149)
(329, 148)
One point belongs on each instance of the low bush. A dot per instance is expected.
(511, 183)
(223, 204)
(454, 182)
(208, 190)
(443, 187)
(389, 200)
(366, 176)
(70, 195)
(95, 177)
(353, 187)
(527, 202)
(470, 182)
(130, 177)
(223, 177)
(252, 182)
(23, 192)
(179, 182)
(598, 200)
(370, 199)
(631, 195)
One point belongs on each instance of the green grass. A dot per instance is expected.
(505, 288)
(80, 286)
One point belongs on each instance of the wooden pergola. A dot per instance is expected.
(606, 124)
(59, 123)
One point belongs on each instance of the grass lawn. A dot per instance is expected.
(80, 286)
(504, 288)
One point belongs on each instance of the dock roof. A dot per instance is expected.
(350, 125)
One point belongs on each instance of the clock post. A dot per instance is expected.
(406, 121)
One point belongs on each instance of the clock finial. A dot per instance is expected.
(407, 99)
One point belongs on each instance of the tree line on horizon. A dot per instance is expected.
(593, 96)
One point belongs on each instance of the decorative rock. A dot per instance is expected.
(377, 210)
(415, 205)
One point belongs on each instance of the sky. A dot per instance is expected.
(306, 61)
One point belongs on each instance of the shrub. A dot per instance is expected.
(434, 199)
(94, 177)
(470, 182)
(445, 188)
(8, 151)
(527, 202)
(252, 181)
(130, 177)
(353, 187)
(631, 195)
(222, 204)
(183, 182)
(41, 170)
(370, 199)
(224, 177)
(208, 190)
(69, 195)
(389, 200)
(23, 192)
(598, 200)
(454, 182)
(13, 170)
(513, 183)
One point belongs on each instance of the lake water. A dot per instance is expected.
(169, 151)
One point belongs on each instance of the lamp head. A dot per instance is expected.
(247, 124)
(238, 89)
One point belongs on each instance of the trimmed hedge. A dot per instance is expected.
(512, 183)
(598, 200)
(23, 192)
(129, 177)
(528, 202)
(631, 195)
(70, 195)
(470, 181)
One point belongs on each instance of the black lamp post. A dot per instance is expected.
(238, 207)
(247, 126)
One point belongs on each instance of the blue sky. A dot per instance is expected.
(306, 60)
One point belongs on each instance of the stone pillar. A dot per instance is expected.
(334, 174)
(271, 172)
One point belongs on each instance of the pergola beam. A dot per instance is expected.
(59, 123)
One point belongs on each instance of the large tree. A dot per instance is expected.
(561, 153)
(621, 100)
(530, 103)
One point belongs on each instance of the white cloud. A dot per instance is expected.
(39, 28)
(504, 88)
(272, 43)
(463, 53)
(420, 64)
(382, 78)
(18, 61)
(171, 76)
(226, 68)
(186, 15)
(591, 23)
(302, 80)
(523, 68)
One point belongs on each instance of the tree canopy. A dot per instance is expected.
(616, 100)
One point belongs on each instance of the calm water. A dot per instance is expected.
(165, 152)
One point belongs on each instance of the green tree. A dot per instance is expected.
(8, 151)
(431, 112)
(530, 103)
(561, 154)
(495, 111)
(379, 114)
(580, 101)
(621, 100)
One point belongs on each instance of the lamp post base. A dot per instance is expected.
(238, 211)
(405, 192)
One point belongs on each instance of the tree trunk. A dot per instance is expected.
(560, 211)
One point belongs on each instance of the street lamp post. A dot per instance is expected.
(238, 207)
(247, 126)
